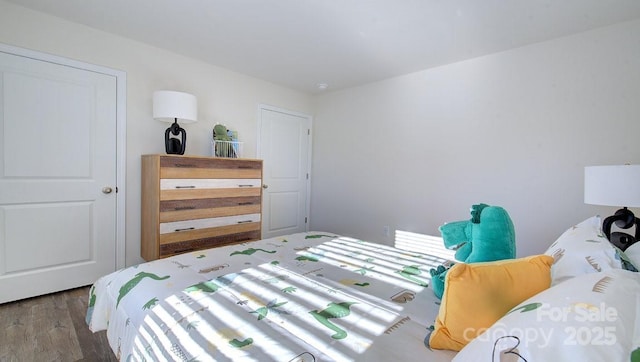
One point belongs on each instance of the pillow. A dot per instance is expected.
(592, 317)
(633, 254)
(627, 264)
(478, 294)
(581, 250)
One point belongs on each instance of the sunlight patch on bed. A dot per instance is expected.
(336, 299)
(210, 337)
(384, 271)
(422, 243)
(253, 289)
(410, 270)
(365, 321)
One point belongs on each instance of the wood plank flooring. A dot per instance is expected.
(51, 328)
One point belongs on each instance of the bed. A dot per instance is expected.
(305, 297)
(318, 296)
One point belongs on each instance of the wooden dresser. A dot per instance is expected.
(191, 203)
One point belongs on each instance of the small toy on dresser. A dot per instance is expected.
(225, 142)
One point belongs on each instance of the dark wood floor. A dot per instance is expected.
(51, 328)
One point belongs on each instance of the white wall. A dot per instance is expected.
(223, 96)
(513, 129)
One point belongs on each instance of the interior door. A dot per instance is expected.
(284, 145)
(57, 176)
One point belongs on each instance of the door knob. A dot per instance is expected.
(107, 190)
(265, 186)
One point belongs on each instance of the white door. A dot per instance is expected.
(284, 145)
(57, 176)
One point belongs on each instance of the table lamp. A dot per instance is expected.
(615, 186)
(169, 106)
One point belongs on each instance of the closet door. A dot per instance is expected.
(284, 145)
(57, 176)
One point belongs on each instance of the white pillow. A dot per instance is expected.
(582, 249)
(633, 253)
(592, 317)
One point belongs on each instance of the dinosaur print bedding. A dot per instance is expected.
(304, 297)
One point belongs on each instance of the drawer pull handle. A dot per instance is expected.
(245, 203)
(186, 187)
(185, 229)
(245, 185)
(245, 167)
(244, 221)
(186, 165)
(184, 208)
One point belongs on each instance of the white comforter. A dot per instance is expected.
(303, 297)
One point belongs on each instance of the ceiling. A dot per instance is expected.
(341, 43)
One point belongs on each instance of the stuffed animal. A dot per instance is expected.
(488, 236)
(221, 133)
(224, 148)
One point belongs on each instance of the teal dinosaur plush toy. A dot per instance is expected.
(488, 236)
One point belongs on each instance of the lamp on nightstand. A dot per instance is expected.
(168, 106)
(615, 186)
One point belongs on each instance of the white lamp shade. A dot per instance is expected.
(169, 105)
(612, 185)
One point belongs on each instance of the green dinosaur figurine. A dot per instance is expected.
(126, 288)
(333, 310)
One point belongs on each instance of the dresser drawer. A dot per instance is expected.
(191, 194)
(184, 205)
(180, 167)
(198, 234)
(196, 214)
(177, 210)
(210, 163)
(195, 183)
(208, 173)
(180, 247)
(179, 226)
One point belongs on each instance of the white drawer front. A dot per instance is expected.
(177, 226)
(197, 183)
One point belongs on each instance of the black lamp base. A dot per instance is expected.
(623, 219)
(174, 145)
(622, 240)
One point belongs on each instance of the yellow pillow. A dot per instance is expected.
(477, 295)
